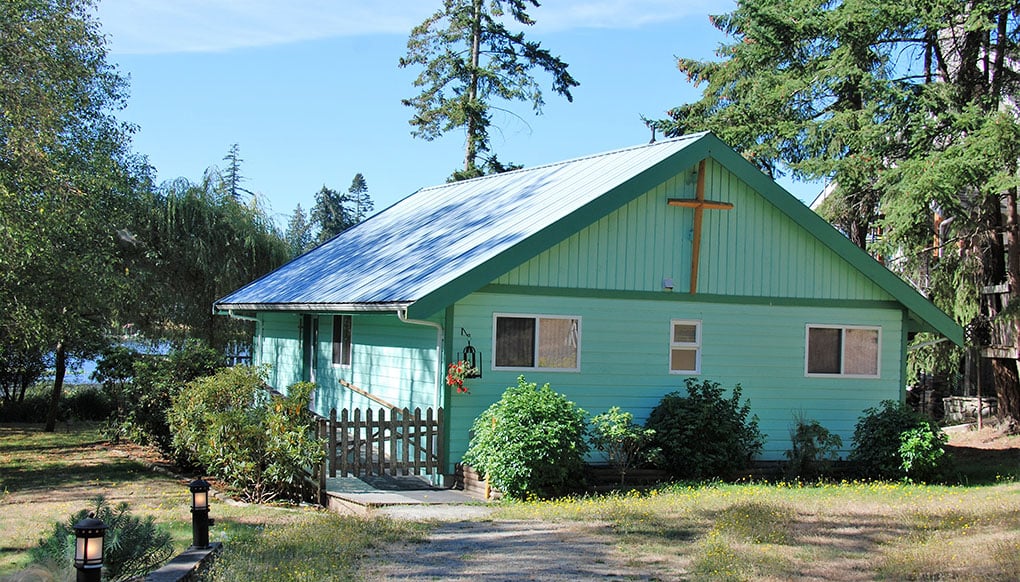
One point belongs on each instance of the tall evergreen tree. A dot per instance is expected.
(331, 214)
(358, 194)
(299, 232)
(231, 179)
(468, 59)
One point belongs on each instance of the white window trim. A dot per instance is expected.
(842, 356)
(538, 333)
(696, 345)
(332, 335)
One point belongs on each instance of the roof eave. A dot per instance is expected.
(386, 307)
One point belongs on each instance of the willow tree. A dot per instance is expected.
(470, 59)
(200, 243)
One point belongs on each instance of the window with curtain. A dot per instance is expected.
(843, 351)
(537, 342)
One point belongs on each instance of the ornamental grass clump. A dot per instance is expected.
(530, 443)
(133, 546)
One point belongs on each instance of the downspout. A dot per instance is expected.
(402, 315)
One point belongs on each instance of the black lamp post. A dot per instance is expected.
(88, 548)
(199, 514)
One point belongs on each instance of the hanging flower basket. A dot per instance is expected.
(456, 372)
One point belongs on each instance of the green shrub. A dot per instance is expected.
(622, 443)
(879, 443)
(813, 449)
(704, 434)
(133, 546)
(921, 451)
(530, 442)
(258, 443)
(141, 387)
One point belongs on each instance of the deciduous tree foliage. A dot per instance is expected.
(67, 183)
(469, 59)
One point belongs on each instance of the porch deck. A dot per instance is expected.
(412, 497)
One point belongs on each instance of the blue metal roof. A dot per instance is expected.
(440, 233)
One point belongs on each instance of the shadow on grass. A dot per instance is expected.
(978, 466)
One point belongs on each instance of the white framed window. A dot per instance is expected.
(685, 346)
(536, 342)
(342, 340)
(842, 351)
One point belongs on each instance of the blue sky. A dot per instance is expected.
(310, 90)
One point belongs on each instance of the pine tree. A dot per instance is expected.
(331, 213)
(299, 232)
(358, 195)
(468, 59)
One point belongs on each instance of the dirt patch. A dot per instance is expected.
(504, 551)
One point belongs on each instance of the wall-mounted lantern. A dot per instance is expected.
(471, 357)
(88, 548)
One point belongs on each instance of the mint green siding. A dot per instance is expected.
(752, 250)
(395, 361)
(624, 354)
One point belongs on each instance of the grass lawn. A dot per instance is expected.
(844, 531)
(46, 477)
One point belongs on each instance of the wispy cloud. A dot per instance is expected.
(174, 26)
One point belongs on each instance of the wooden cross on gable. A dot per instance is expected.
(699, 204)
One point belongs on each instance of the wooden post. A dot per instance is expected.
(331, 455)
(405, 460)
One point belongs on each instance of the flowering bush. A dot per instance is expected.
(455, 374)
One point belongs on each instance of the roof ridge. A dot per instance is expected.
(686, 137)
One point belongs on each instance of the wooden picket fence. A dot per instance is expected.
(372, 442)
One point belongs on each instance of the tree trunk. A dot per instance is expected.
(471, 148)
(1006, 393)
(58, 387)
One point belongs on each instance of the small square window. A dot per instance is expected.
(685, 347)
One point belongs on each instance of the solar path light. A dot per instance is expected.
(88, 548)
(200, 521)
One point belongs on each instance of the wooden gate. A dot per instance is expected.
(366, 442)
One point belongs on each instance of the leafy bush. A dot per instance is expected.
(882, 435)
(529, 442)
(256, 442)
(133, 546)
(921, 451)
(141, 387)
(704, 434)
(813, 449)
(622, 443)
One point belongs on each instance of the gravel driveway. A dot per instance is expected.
(503, 551)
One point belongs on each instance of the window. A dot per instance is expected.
(342, 340)
(685, 347)
(842, 351)
(537, 342)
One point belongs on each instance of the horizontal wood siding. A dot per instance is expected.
(625, 360)
(753, 250)
(280, 348)
(392, 360)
